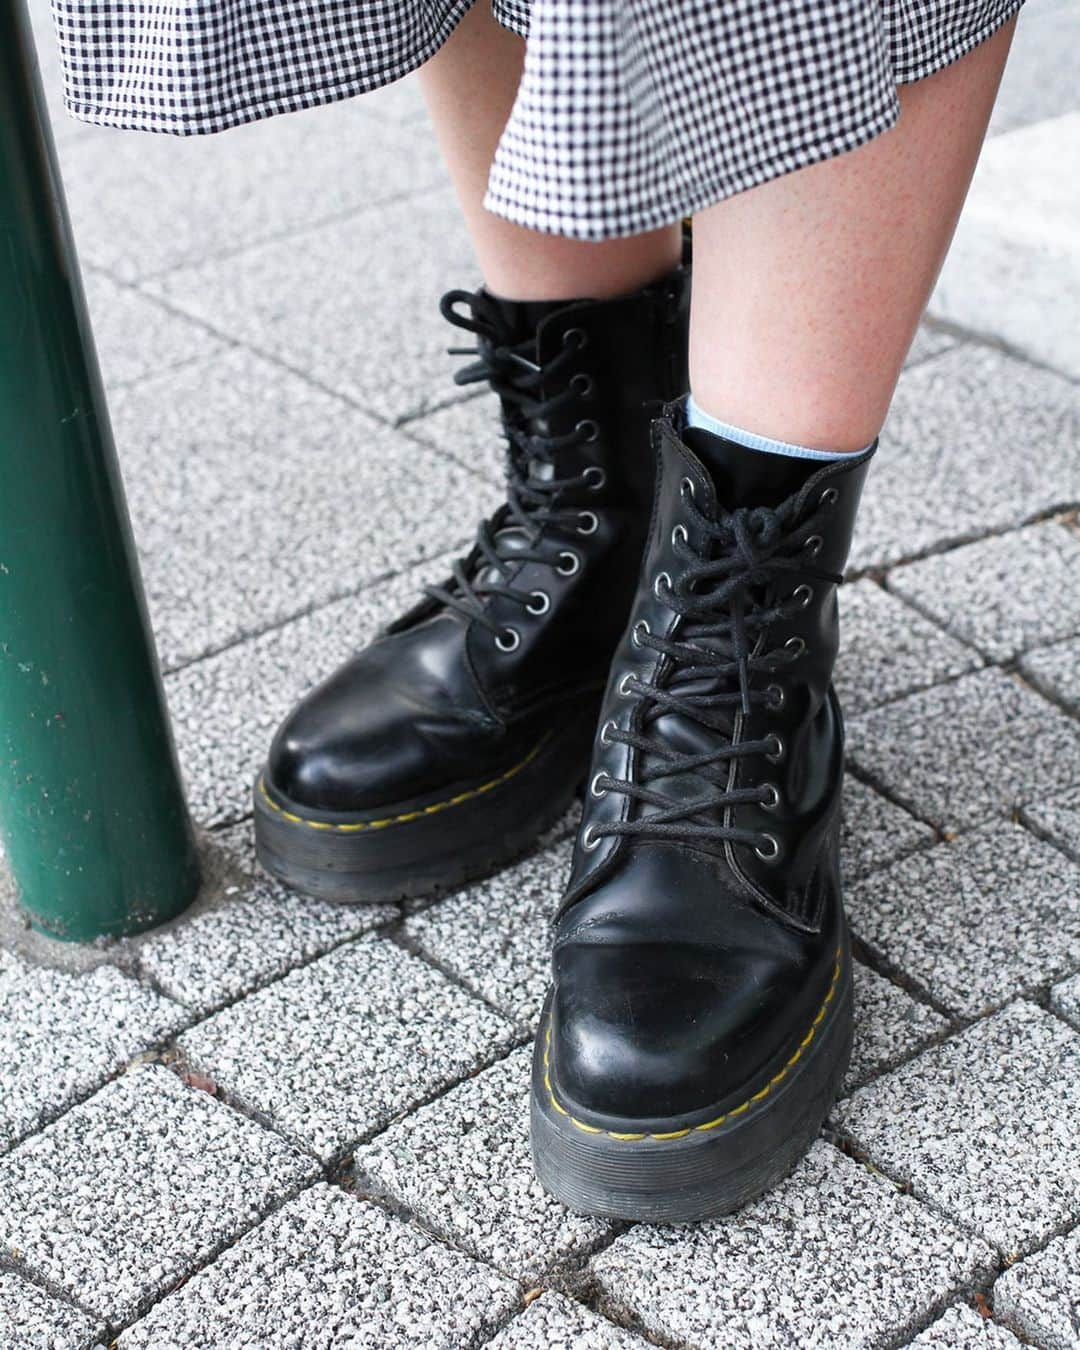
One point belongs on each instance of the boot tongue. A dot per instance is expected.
(745, 477)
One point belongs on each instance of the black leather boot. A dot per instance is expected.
(700, 1019)
(445, 747)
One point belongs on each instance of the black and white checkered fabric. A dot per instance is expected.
(630, 113)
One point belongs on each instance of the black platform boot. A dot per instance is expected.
(700, 1019)
(444, 748)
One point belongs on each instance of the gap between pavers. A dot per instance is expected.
(962, 1328)
(31, 1319)
(555, 1322)
(1040, 1297)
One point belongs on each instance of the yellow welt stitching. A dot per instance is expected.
(711, 1124)
(351, 828)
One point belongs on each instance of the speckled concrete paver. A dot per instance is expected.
(1057, 817)
(554, 1322)
(338, 1048)
(1056, 671)
(1040, 1297)
(1065, 1000)
(962, 752)
(986, 1126)
(462, 1164)
(1003, 595)
(31, 1319)
(330, 1270)
(122, 1196)
(962, 1328)
(833, 1256)
(977, 921)
(889, 1026)
(875, 831)
(62, 1035)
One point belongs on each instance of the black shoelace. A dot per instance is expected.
(727, 603)
(533, 492)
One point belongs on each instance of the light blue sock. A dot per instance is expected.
(697, 417)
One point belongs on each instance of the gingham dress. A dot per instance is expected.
(630, 113)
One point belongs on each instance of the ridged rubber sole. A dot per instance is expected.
(680, 1173)
(419, 849)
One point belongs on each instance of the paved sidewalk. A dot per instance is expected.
(278, 1123)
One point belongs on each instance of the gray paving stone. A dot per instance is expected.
(330, 1270)
(31, 1319)
(977, 921)
(62, 1035)
(928, 343)
(467, 430)
(128, 1191)
(1065, 1000)
(875, 831)
(136, 337)
(1003, 594)
(1040, 77)
(463, 1166)
(495, 936)
(256, 496)
(1058, 817)
(336, 1050)
(889, 649)
(833, 1256)
(976, 442)
(1013, 271)
(1056, 671)
(226, 708)
(889, 1025)
(962, 752)
(143, 205)
(554, 1322)
(962, 1328)
(985, 1126)
(253, 930)
(372, 333)
(1040, 1297)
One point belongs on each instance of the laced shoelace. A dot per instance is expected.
(532, 496)
(722, 642)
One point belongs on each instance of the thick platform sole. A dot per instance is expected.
(425, 848)
(680, 1173)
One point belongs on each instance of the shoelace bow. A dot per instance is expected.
(722, 640)
(532, 493)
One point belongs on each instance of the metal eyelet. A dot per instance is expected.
(577, 335)
(664, 578)
(543, 602)
(589, 522)
(598, 791)
(639, 628)
(686, 487)
(573, 564)
(772, 851)
(587, 429)
(594, 477)
(626, 693)
(679, 536)
(830, 496)
(582, 384)
(795, 646)
(775, 756)
(590, 839)
(778, 696)
(814, 545)
(802, 595)
(509, 640)
(609, 725)
(774, 797)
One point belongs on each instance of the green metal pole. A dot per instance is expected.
(91, 809)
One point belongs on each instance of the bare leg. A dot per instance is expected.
(469, 87)
(808, 289)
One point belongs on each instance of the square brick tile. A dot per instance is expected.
(965, 751)
(330, 1270)
(1065, 1000)
(875, 831)
(975, 922)
(832, 1256)
(62, 1035)
(31, 1319)
(1056, 671)
(1058, 818)
(962, 1328)
(986, 1126)
(553, 1322)
(335, 1050)
(132, 1189)
(463, 1166)
(889, 1025)
(888, 649)
(1040, 1297)
(1004, 594)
